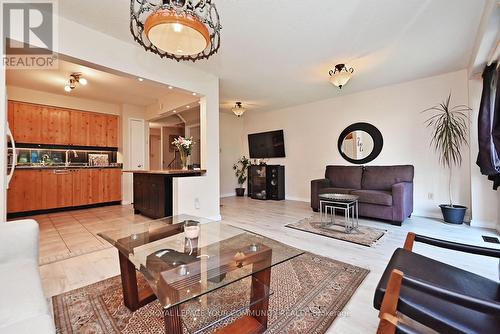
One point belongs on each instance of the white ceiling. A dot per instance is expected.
(278, 53)
(102, 86)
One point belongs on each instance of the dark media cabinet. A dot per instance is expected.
(266, 182)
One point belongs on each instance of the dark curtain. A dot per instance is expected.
(488, 158)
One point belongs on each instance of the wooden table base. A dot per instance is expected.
(133, 298)
(254, 323)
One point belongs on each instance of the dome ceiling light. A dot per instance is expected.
(176, 29)
(74, 80)
(238, 109)
(340, 75)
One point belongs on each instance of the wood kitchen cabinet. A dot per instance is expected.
(26, 122)
(111, 131)
(57, 188)
(25, 191)
(38, 124)
(112, 184)
(81, 186)
(79, 128)
(44, 189)
(98, 127)
(55, 126)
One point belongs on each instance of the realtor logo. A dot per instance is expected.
(29, 34)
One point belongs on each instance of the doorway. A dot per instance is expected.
(155, 154)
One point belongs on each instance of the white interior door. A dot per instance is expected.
(137, 144)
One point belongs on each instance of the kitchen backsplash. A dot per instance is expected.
(58, 156)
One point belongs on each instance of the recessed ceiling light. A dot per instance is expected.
(194, 94)
(174, 111)
(170, 87)
(187, 107)
(140, 79)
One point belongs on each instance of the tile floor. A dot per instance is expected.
(71, 233)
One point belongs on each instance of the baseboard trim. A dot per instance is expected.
(227, 195)
(215, 218)
(298, 199)
(483, 224)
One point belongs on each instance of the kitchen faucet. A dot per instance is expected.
(66, 162)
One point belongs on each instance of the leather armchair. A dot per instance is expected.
(439, 296)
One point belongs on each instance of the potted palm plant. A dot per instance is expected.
(449, 134)
(240, 170)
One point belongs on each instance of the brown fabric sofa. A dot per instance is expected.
(385, 192)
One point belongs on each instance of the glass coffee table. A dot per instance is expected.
(329, 203)
(184, 258)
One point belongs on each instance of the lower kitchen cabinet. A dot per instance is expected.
(25, 191)
(43, 189)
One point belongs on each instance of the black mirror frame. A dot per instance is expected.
(378, 141)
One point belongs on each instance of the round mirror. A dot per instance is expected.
(360, 143)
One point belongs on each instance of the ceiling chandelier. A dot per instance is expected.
(176, 29)
(74, 80)
(340, 75)
(238, 109)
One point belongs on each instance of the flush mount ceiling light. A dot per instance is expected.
(176, 29)
(340, 75)
(74, 80)
(238, 109)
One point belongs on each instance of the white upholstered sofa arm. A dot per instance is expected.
(18, 240)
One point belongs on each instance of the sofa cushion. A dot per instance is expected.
(332, 190)
(42, 324)
(344, 176)
(383, 177)
(21, 291)
(378, 197)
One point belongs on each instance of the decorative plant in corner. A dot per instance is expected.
(450, 127)
(240, 170)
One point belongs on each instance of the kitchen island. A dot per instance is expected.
(153, 190)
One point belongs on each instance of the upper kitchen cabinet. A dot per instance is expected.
(112, 131)
(98, 127)
(37, 124)
(55, 126)
(25, 122)
(79, 128)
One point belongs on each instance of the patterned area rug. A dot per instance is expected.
(309, 292)
(364, 235)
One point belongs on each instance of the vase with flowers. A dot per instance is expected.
(184, 146)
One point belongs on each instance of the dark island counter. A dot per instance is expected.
(153, 189)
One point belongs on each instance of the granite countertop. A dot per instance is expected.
(169, 172)
(62, 166)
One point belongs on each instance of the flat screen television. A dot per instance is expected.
(266, 145)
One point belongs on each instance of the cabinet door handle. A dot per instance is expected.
(61, 171)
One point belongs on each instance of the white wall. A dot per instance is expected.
(60, 100)
(231, 149)
(312, 130)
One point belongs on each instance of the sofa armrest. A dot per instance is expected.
(18, 240)
(316, 186)
(402, 198)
